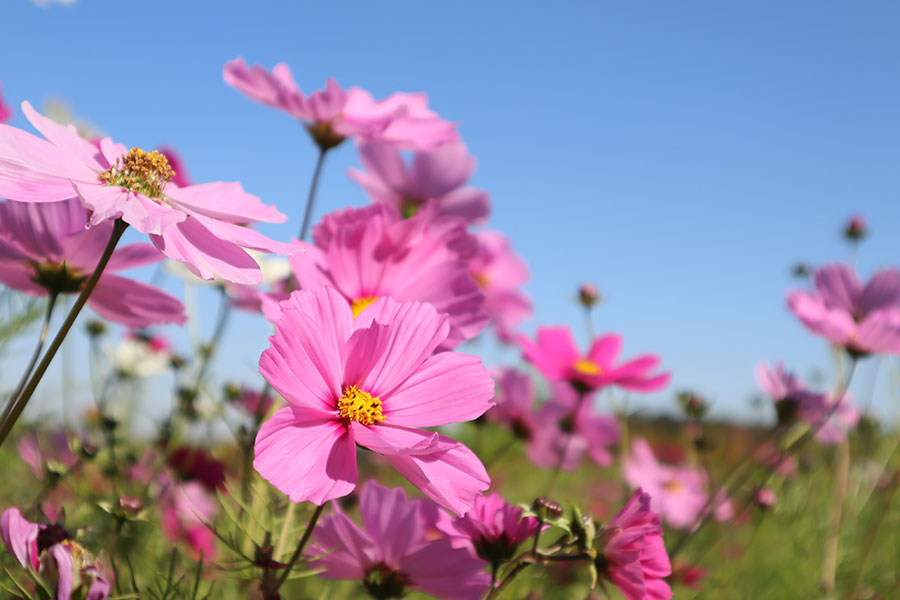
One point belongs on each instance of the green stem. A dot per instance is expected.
(300, 546)
(495, 592)
(15, 408)
(311, 197)
(45, 328)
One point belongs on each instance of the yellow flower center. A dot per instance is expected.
(481, 279)
(587, 367)
(144, 172)
(674, 486)
(59, 278)
(357, 405)
(360, 304)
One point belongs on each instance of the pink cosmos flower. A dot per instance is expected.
(862, 319)
(493, 529)
(501, 273)
(334, 114)
(437, 175)
(200, 225)
(515, 403)
(47, 454)
(678, 493)
(568, 428)
(53, 558)
(45, 249)
(634, 557)
(370, 379)
(371, 253)
(5, 112)
(793, 400)
(556, 355)
(390, 553)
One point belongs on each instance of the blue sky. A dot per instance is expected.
(681, 156)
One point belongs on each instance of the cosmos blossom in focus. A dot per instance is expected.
(334, 114)
(439, 175)
(864, 319)
(371, 253)
(634, 556)
(202, 226)
(46, 249)
(390, 554)
(374, 380)
(556, 355)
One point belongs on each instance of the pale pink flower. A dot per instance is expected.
(46, 249)
(5, 111)
(793, 400)
(438, 175)
(634, 557)
(53, 558)
(862, 319)
(390, 554)
(515, 403)
(200, 225)
(371, 379)
(556, 355)
(568, 428)
(501, 273)
(493, 529)
(678, 492)
(333, 114)
(372, 253)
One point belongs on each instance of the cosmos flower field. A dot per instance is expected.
(377, 454)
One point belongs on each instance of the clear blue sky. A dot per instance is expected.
(680, 155)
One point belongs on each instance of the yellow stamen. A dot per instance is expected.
(140, 171)
(587, 367)
(481, 279)
(361, 303)
(674, 486)
(357, 405)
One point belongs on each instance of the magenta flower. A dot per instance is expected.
(794, 401)
(390, 553)
(678, 492)
(371, 379)
(515, 404)
(5, 112)
(334, 114)
(501, 273)
(556, 355)
(200, 225)
(634, 557)
(568, 428)
(862, 319)
(437, 175)
(46, 249)
(371, 253)
(493, 529)
(53, 558)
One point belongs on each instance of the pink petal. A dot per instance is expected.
(605, 350)
(553, 352)
(448, 388)
(471, 204)
(882, 291)
(307, 454)
(839, 286)
(224, 201)
(134, 304)
(303, 362)
(206, 255)
(133, 255)
(834, 324)
(442, 170)
(66, 138)
(20, 537)
(413, 331)
(65, 571)
(388, 439)
(385, 163)
(446, 572)
(392, 521)
(452, 478)
(346, 551)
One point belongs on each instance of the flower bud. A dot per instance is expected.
(856, 228)
(550, 507)
(588, 295)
